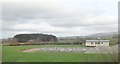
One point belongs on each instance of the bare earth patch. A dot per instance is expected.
(31, 50)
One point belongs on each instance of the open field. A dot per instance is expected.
(14, 54)
(0, 53)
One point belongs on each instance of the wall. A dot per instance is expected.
(104, 44)
(89, 44)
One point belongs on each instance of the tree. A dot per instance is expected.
(37, 37)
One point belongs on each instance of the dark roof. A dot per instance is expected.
(97, 40)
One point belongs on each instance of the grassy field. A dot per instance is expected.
(14, 54)
(0, 53)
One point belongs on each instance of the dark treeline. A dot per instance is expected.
(35, 37)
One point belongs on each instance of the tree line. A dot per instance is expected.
(35, 37)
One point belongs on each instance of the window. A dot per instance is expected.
(92, 42)
(97, 42)
(101, 42)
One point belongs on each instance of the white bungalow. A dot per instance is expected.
(97, 43)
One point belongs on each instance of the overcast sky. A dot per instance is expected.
(59, 17)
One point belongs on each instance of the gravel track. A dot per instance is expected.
(98, 49)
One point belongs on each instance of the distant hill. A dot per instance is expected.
(96, 35)
(71, 37)
(105, 35)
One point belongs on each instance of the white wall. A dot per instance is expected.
(104, 44)
(89, 44)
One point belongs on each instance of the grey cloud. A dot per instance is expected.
(60, 18)
(16, 11)
(103, 28)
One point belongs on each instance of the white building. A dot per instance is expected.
(97, 43)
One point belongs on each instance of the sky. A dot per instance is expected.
(58, 17)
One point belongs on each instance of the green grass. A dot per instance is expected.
(14, 54)
(0, 53)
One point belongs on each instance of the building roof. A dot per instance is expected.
(97, 40)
